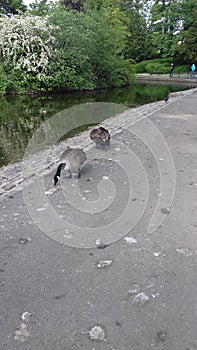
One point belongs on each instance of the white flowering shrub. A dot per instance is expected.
(26, 43)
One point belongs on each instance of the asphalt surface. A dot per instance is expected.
(55, 295)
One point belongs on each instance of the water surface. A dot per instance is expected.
(20, 116)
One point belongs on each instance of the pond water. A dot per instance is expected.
(20, 116)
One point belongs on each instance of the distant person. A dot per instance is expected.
(171, 70)
(192, 71)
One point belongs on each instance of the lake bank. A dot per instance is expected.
(11, 178)
(164, 78)
(20, 116)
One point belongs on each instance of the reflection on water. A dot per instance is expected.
(20, 116)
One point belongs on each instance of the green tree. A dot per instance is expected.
(137, 45)
(11, 7)
(165, 26)
(40, 7)
(74, 5)
(187, 45)
(89, 50)
(110, 9)
(131, 14)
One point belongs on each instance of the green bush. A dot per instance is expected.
(85, 51)
(153, 65)
(182, 69)
(163, 66)
(9, 81)
(88, 51)
(141, 67)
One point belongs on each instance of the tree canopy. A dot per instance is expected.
(12, 7)
(188, 35)
(96, 42)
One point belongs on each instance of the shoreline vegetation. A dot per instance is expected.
(85, 45)
(182, 79)
(21, 115)
(155, 77)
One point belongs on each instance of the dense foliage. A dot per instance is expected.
(173, 30)
(12, 7)
(26, 45)
(88, 44)
(89, 51)
(188, 35)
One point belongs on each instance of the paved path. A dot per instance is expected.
(140, 291)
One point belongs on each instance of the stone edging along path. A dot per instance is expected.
(11, 178)
(183, 80)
